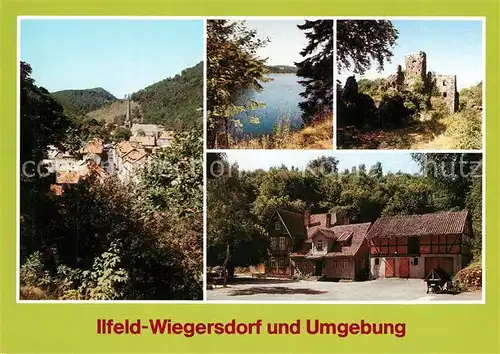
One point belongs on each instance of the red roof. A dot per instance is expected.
(443, 223)
(340, 233)
(356, 231)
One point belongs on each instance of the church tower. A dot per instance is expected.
(128, 119)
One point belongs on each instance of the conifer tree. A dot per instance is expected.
(316, 69)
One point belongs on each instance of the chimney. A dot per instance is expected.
(328, 220)
(339, 218)
(307, 218)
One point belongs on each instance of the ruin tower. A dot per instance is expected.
(415, 67)
(446, 85)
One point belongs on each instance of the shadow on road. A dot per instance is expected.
(245, 280)
(276, 290)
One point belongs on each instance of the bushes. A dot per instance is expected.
(101, 282)
(465, 129)
(470, 278)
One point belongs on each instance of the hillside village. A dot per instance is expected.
(123, 158)
(91, 212)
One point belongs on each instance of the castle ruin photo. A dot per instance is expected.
(416, 70)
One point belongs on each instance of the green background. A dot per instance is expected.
(63, 328)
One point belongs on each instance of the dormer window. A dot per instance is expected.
(345, 236)
(319, 245)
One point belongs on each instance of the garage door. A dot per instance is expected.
(389, 267)
(404, 268)
(439, 262)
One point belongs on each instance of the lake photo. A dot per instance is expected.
(270, 84)
(281, 97)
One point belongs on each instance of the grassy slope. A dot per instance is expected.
(317, 135)
(109, 112)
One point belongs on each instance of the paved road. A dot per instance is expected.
(375, 290)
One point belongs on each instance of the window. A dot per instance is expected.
(319, 245)
(281, 262)
(415, 261)
(274, 243)
(282, 243)
(444, 82)
(277, 226)
(444, 94)
(413, 245)
(344, 264)
(377, 261)
(334, 264)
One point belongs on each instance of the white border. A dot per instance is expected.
(237, 302)
(335, 71)
(204, 160)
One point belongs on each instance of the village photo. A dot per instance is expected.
(344, 226)
(270, 84)
(410, 84)
(111, 159)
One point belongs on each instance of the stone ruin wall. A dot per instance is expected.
(446, 85)
(416, 67)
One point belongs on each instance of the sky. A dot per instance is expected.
(452, 48)
(250, 160)
(287, 41)
(121, 56)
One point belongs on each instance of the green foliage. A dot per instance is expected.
(121, 134)
(101, 282)
(418, 85)
(173, 181)
(234, 236)
(471, 98)
(43, 121)
(32, 272)
(316, 70)
(466, 130)
(373, 88)
(176, 102)
(474, 204)
(84, 101)
(103, 239)
(232, 66)
(360, 42)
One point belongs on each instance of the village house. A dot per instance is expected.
(318, 244)
(146, 129)
(129, 157)
(411, 246)
(165, 138)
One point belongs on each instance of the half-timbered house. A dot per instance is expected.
(411, 246)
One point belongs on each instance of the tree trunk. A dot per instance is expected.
(224, 266)
(222, 141)
(230, 270)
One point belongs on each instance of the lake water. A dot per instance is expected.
(281, 96)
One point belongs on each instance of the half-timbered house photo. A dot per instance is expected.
(411, 246)
(322, 245)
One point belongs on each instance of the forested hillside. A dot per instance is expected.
(83, 101)
(176, 102)
(281, 69)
